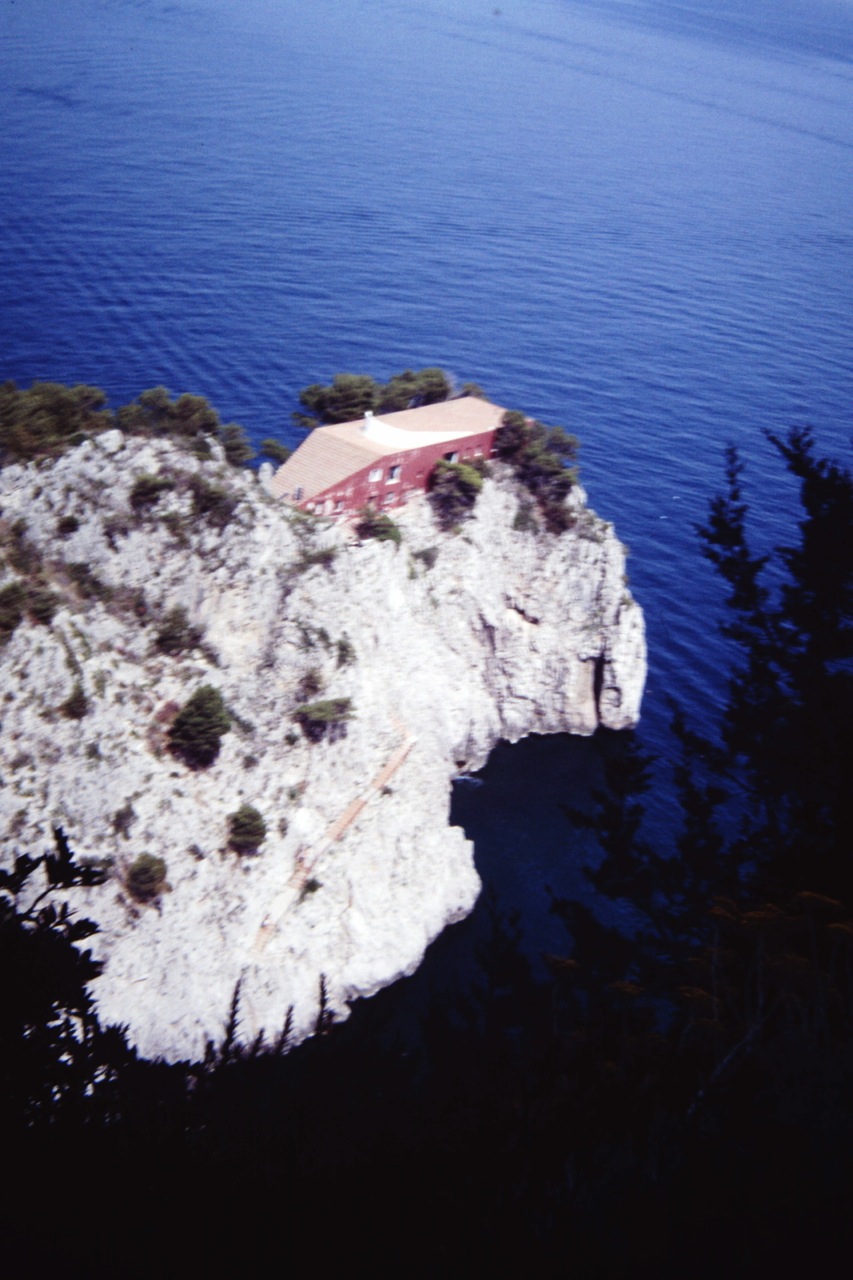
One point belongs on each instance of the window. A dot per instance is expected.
(375, 474)
(393, 474)
(451, 457)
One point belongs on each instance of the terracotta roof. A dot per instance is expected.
(320, 461)
(330, 454)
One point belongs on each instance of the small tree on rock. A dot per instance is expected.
(246, 829)
(376, 524)
(453, 490)
(326, 718)
(146, 877)
(197, 730)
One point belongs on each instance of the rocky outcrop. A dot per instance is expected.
(443, 645)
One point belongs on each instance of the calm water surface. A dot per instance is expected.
(632, 219)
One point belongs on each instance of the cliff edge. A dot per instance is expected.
(150, 574)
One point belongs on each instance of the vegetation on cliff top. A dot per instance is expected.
(350, 395)
(378, 525)
(543, 458)
(47, 419)
(453, 491)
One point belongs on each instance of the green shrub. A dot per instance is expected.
(47, 419)
(246, 829)
(76, 705)
(147, 489)
(212, 502)
(375, 524)
(324, 556)
(512, 435)
(317, 719)
(311, 885)
(350, 395)
(542, 458)
(525, 521)
(427, 556)
(190, 421)
(275, 451)
(453, 491)
(408, 389)
(197, 730)
(238, 451)
(176, 634)
(146, 877)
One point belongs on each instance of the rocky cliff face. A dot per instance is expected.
(443, 645)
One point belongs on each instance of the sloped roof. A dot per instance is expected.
(330, 454)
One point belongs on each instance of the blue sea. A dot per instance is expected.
(629, 218)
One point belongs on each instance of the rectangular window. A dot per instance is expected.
(451, 457)
(393, 474)
(376, 474)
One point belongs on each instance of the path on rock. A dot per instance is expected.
(307, 859)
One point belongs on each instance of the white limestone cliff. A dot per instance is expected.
(492, 633)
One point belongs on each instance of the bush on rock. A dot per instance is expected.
(317, 719)
(375, 524)
(453, 490)
(146, 877)
(197, 730)
(246, 829)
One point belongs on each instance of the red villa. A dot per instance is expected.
(381, 462)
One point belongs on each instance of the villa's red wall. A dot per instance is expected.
(358, 490)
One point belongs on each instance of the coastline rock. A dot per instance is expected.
(443, 645)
